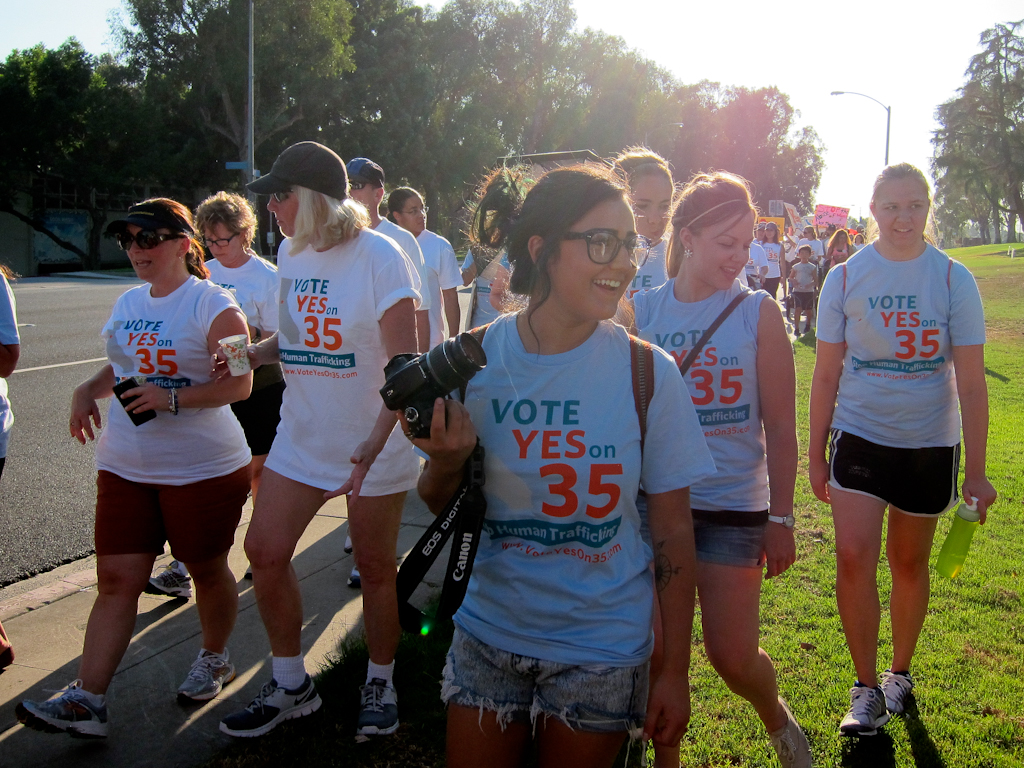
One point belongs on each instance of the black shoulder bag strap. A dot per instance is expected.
(463, 515)
(688, 360)
(642, 365)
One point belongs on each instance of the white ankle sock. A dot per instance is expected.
(289, 671)
(384, 671)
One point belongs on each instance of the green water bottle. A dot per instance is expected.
(958, 541)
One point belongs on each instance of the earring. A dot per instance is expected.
(687, 253)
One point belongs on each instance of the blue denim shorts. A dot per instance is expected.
(720, 542)
(741, 546)
(595, 698)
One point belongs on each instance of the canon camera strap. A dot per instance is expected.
(463, 516)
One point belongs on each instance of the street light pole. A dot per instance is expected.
(251, 139)
(888, 116)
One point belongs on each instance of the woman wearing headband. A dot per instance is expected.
(743, 514)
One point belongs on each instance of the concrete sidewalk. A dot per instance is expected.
(46, 618)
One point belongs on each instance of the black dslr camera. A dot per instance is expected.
(413, 382)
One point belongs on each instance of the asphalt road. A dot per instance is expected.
(48, 490)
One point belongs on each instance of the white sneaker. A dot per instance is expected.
(209, 674)
(170, 583)
(354, 579)
(348, 545)
(790, 743)
(867, 712)
(896, 686)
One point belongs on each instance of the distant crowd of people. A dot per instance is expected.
(593, 286)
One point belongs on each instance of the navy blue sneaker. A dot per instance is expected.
(273, 705)
(378, 715)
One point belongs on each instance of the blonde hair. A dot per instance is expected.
(899, 172)
(324, 222)
(706, 200)
(231, 210)
(635, 163)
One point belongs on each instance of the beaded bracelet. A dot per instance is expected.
(173, 401)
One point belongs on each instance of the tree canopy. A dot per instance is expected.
(979, 146)
(435, 96)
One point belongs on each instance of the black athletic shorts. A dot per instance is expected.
(259, 417)
(918, 481)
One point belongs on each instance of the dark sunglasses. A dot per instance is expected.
(603, 245)
(357, 185)
(221, 243)
(281, 196)
(146, 239)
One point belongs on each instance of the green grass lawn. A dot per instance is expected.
(969, 667)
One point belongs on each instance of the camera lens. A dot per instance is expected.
(455, 361)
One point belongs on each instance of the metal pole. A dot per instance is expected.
(888, 120)
(251, 139)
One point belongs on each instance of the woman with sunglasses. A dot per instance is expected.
(743, 514)
(553, 639)
(150, 487)
(347, 306)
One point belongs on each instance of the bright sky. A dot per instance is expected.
(906, 56)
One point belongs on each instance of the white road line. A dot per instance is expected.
(59, 365)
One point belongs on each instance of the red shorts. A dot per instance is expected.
(198, 519)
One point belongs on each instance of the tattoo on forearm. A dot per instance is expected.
(663, 569)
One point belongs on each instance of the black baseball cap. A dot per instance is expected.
(151, 215)
(365, 169)
(306, 164)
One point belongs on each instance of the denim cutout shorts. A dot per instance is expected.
(595, 698)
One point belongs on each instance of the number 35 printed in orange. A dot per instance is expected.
(164, 364)
(597, 487)
(908, 341)
(331, 337)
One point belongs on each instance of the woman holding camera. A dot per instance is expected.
(553, 639)
(347, 306)
(150, 488)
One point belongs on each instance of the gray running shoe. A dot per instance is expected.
(379, 709)
(209, 674)
(348, 545)
(272, 706)
(68, 711)
(790, 743)
(170, 583)
(867, 712)
(897, 687)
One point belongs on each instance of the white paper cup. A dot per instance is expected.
(236, 353)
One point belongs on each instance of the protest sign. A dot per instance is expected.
(830, 214)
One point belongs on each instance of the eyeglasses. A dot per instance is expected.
(357, 185)
(603, 245)
(221, 243)
(146, 239)
(281, 196)
(417, 211)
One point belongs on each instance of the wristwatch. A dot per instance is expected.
(789, 521)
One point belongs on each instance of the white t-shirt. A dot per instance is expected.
(254, 285)
(165, 340)
(8, 335)
(756, 259)
(442, 274)
(772, 252)
(652, 273)
(405, 240)
(483, 311)
(817, 248)
(900, 321)
(562, 572)
(333, 356)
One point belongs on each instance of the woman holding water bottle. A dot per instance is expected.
(900, 331)
(150, 487)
